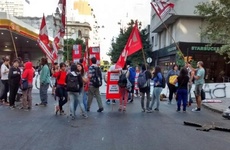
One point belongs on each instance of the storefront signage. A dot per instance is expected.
(204, 48)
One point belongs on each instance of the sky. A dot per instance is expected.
(108, 13)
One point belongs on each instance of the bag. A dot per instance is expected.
(132, 75)
(202, 95)
(72, 84)
(172, 79)
(163, 84)
(24, 85)
(122, 82)
(141, 80)
(97, 77)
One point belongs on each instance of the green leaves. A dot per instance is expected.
(68, 47)
(119, 43)
(217, 19)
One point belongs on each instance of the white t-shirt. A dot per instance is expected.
(4, 76)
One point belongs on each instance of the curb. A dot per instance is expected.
(213, 109)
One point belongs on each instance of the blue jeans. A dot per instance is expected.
(74, 98)
(85, 99)
(182, 96)
(43, 92)
(156, 96)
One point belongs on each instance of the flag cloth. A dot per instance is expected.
(162, 8)
(133, 45)
(27, 1)
(62, 4)
(43, 40)
(76, 53)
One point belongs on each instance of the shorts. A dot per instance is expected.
(198, 89)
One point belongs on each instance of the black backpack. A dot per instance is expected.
(72, 84)
(97, 77)
(163, 84)
(122, 82)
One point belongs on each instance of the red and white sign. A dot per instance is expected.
(162, 8)
(95, 52)
(112, 88)
(76, 53)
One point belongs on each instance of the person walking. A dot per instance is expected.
(5, 80)
(14, 82)
(171, 77)
(182, 91)
(28, 74)
(199, 82)
(132, 75)
(44, 82)
(61, 92)
(143, 82)
(84, 89)
(95, 76)
(158, 83)
(74, 85)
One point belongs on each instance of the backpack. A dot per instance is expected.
(132, 75)
(72, 83)
(24, 84)
(141, 80)
(97, 77)
(163, 84)
(122, 82)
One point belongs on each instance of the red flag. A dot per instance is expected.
(76, 53)
(133, 45)
(43, 40)
(134, 41)
(62, 4)
(162, 8)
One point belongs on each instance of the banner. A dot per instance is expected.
(162, 8)
(112, 88)
(95, 52)
(76, 53)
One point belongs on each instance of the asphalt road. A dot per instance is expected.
(40, 129)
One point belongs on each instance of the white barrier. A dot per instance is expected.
(212, 90)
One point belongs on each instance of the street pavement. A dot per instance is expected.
(218, 107)
(40, 129)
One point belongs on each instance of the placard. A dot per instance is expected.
(112, 88)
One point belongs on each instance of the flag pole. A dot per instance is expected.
(15, 49)
(177, 46)
(143, 53)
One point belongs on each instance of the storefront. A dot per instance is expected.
(216, 68)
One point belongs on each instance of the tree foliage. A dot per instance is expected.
(217, 29)
(68, 47)
(119, 43)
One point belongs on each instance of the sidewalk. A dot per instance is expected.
(218, 107)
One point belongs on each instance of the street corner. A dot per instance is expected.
(216, 105)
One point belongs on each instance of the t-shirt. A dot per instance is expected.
(200, 72)
(4, 68)
(182, 82)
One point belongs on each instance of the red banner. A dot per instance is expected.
(112, 88)
(95, 52)
(76, 53)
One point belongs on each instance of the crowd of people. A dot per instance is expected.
(79, 87)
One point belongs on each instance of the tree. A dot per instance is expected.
(217, 16)
(119, 43)
(68, 47)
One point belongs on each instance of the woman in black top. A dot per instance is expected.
(182, 92)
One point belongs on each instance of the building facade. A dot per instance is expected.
(183, 33)
(12, 7)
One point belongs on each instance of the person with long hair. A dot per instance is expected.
(61, 92)
(84, 93)
(158, 83)
(123, 90)
(171, 77)
(182, 91)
